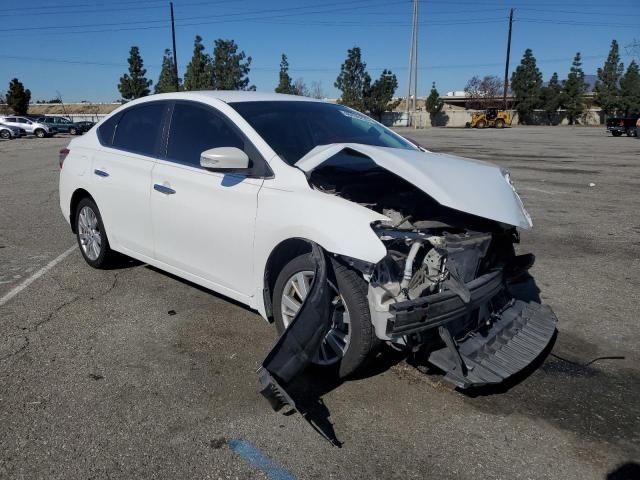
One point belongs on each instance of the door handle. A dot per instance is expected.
(163, 189)
(101, 173)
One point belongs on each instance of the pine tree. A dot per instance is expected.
(607, 89)
(434, 103)
(379, 98)
(168, 82)
(230, 70)
(526, 84)
(285, 85)
(18, 98)
(134, 84)
(353, 81)
(551, 94)
(198, 73)
(573, 91)
(630, 89)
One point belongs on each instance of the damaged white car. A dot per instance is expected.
(248, 194)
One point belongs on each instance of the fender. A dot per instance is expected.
(337, 225)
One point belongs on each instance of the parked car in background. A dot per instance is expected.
(235, 191)
(623, 125)
(40, 130)
(85, 125)
(8, 132)
(62, 125)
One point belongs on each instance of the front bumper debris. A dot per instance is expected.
(512, 342)
(423, 313)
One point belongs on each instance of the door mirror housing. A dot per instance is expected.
(224, 158)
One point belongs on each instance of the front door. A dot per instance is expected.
(203, 221)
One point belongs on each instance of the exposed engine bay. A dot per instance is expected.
(445, 278)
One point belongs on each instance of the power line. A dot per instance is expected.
(137, 6)
(77, 5)
(576, 24)
(299, 69)
(363, 4)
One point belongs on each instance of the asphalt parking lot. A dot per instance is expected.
(132, 373)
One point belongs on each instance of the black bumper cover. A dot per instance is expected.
(510, 344)
(515, 337)
(413, 316)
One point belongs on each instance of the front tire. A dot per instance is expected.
(499, 123)
(481, 124)
(5, 134)
(91, 235)
(616, 133)
(351, 338)
(73, 131)
(40, 133)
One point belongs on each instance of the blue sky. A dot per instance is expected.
(79, 47)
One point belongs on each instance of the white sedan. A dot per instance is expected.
(230, 190)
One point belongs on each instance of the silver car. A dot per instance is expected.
(8, 131)
(40, 130)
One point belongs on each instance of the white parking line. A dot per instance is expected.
(12, 293)
(550, 192)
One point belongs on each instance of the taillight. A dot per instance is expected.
(63, 154)
(621, 123)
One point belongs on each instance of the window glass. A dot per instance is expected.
(292, 129)
(106, 130)
(139, 128)
(196, 128)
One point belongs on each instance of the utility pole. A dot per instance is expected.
(415, 66)
(412, 76)
(175, 55)
(506, 67)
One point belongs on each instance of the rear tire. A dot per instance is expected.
(40, 133)
(499, 123)
(616, 134)
(5, 134)
(73, 131)
(352, 290)
(481, 124)
(91, 235)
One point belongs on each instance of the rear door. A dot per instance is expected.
(122, 175)
(203, 221)
(24, 123)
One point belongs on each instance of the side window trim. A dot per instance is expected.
(166, 131)
(260, 167)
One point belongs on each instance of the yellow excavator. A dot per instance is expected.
(491, 117)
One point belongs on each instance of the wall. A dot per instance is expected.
(453, 117)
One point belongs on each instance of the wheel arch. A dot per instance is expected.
(282, 253)
(77, 195)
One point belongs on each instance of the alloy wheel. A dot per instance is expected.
(89, 233)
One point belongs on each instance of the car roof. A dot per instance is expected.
(232, 96)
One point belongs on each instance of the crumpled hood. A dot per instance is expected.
(470, 186)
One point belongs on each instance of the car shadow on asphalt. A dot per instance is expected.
(200, 288)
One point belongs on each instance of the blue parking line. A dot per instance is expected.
(256, 458)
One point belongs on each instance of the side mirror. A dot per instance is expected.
(224, 158)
